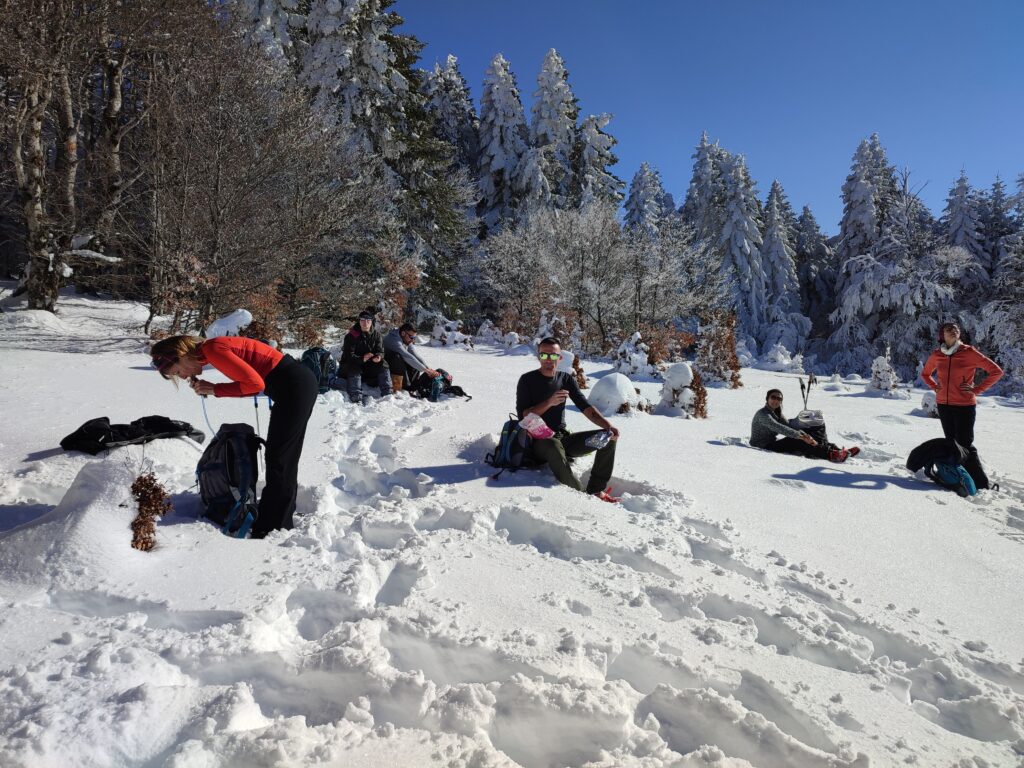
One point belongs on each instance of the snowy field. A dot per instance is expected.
(737, 608)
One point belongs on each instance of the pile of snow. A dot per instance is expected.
(778, 359)
(229, 325)
(929, 405)
(676, 396)
(615, 393)
(631, 357)
(488, 333)
(448, 333)
(835, 384)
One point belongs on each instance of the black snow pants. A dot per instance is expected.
(800, 448)
(958, 423)
(293, 389)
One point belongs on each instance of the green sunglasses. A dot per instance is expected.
(550, 355)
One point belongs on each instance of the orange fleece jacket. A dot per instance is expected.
(246, 362)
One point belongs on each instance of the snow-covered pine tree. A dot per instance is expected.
(997, 224)
(270, 25)
(778, 194)
(645, 204)
(555, 111)
(740, 244)
(703, 208)
(448, 98)
(502, 143)
(593, 182)
(859, 228)
(960, 221)
(531, 182)
(816, 272)
(785, 323)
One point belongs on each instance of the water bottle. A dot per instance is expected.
(598, 440)
(436, 387)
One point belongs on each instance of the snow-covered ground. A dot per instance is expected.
(736, 608)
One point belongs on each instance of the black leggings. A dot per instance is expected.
(958, 423)
(800, 448)
(293, 389)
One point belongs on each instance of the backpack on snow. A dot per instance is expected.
(954, 477)
(227, 473)
(513, 449)
(322, 364)
(431, 389)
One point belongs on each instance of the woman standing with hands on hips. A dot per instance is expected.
(253, 367)
(955, 363)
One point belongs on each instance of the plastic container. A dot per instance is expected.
(599, 440)
(535, 425)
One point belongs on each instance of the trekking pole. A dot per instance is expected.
(256, 405)
(803, 391)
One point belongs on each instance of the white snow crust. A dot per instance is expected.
(737, 608)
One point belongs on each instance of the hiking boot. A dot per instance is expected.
(606, 495)
(853, 451)
(838, 455)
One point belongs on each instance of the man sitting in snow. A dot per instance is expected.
(544, 392)
(405, 363)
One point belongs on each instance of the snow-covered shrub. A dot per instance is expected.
(929, 405)
(631, 358)
(717, 360)
(489, 333)
(778, 359)
(884, 380)
(229, 325)
(615, 393)
(883, 377)
(449, 334)
(683, 393)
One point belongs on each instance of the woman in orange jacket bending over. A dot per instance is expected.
(253, 367)
(955, 393)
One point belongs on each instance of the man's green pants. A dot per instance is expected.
(557, 451)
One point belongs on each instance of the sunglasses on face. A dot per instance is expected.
(550, 355)
(775, 397)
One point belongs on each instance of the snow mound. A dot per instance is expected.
(676, 395)
(229, 325)
(32, 320)
(779, 360)
(678, 375)
(612, 392)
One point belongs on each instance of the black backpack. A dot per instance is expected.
(513, 450)
(227, 473)
(429, 389)
(323, 365)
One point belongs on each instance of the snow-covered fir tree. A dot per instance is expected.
(816, 271)
(593, 182)
(777, 194)
(646, 204)
(785, 323)
(960, 221)
(531, 182)
(740, 244)
(555, 111)
(998, 225)
(270, 25)
(859, 228)
(503, 143)
(448, 98)
(703, 208)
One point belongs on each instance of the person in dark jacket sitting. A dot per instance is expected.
(769, 424)
(362, 357)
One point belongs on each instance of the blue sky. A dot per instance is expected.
(792, 85)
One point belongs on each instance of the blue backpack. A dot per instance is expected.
(954, 477)
(513, 449)
(322, 364)
(227, 473)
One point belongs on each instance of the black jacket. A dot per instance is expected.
(357, 344)
(939, 450)
(98, 435)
